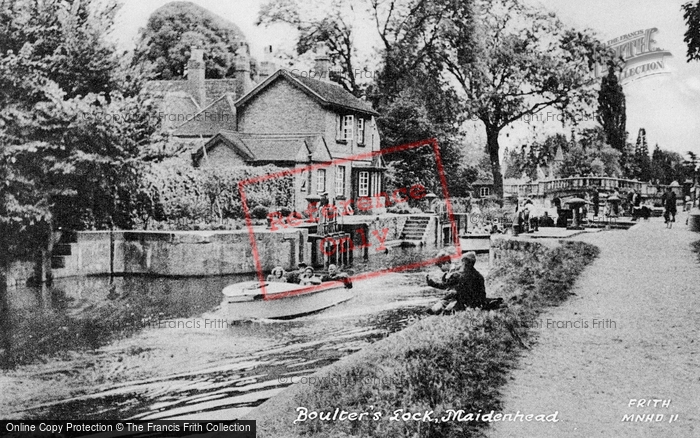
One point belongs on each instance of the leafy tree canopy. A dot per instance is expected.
(321, 22)
(65, 159)
(63, 40)
(691, 14)
(172, 30)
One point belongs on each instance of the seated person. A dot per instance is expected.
(334, 274)
(447, 267)
(308, 277)
(468, 288)
(277, 275)
(546, 220)
(293, 277)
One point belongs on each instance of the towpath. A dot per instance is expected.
(643, 296)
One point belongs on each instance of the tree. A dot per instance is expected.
(172, 30)
(508, 61)
(65, 42)
(667, 166)
(612, 109)
(328, 23)
(65, 160)
(641, 157)
(691, 14)
(600, 159)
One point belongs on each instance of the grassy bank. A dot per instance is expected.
(439, 363)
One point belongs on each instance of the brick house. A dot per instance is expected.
(293, 121)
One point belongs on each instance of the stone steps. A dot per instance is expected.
(414, 230)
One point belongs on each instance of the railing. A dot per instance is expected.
(542, 188)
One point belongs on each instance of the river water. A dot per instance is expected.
(155, 348)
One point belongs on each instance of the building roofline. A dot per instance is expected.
(296, 82)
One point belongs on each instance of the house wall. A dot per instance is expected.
(281, 109)
(351, 148)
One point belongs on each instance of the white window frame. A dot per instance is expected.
(321, 180)
(348, 127)
(360, 131)
(484, 191)
(363, 184)
(340, 181)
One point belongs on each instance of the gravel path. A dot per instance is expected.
(646, 283)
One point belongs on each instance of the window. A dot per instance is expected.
(485, 191)
(364, 184)
(361, 131)
(348, 126)
(304, 177)
(338, 127)
(376, 183)
(340, 181)
(321, 181)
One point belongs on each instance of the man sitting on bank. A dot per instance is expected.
(469, 288)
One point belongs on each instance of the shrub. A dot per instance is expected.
(259, 212)
(178, 194)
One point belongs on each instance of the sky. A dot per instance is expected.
(667, 106)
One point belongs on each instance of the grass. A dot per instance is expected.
(439, 363)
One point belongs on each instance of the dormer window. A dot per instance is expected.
(348, 127)
(360, 131)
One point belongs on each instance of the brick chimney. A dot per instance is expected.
(267, 65)
(244, 83)
(195, 76)
(322, 68)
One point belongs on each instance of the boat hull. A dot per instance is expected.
(245, 301)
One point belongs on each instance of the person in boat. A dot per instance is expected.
(308, 277)
(468, 287)
(294, 276)
(335, 274)
(277, 275)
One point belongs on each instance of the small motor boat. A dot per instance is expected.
(278, 300)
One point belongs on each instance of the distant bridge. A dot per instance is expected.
(575, 186)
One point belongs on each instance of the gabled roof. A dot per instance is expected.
(270, 147)
(174, 108)
(325, 93)
(209, 121)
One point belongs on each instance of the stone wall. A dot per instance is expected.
(182, 253)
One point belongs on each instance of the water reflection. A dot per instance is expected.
(146, 348)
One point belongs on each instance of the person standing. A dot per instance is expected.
(669, 200)
(636, 204)
(596, 201)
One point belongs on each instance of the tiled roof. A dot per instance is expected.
(175, 108)
(335, 94)
(175, 103)
(264, 147)
(221, 114)
(326, 93)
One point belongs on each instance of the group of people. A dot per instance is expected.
(466, 283)
(306, 276)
